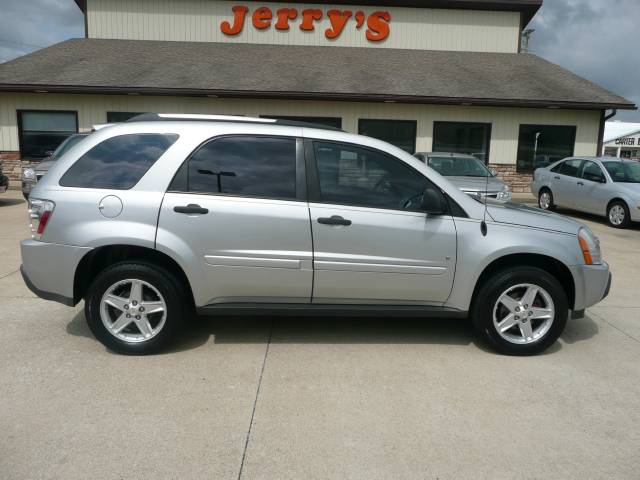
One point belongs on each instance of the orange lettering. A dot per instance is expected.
(308, 16)
(378, 24)
(262, 18)
(359, 19)
(338, 21)
(240, 13)
(284, 15)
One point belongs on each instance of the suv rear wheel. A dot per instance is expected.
(135, 308)
(521, 311)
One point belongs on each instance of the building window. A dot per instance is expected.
(542, 145)
(458, 137)
(42, 131)
(120, 117)
(401, 133)
(335, 122)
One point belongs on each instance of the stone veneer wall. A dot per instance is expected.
(12, 165)
(519, 182)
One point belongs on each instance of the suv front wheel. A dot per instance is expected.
(521, 311)
(135, 308)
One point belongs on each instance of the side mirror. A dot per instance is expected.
(602, 180)
(494, 172)
(434, 202)
(48, 153)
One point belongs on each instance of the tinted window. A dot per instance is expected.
(41, 132)
(401, 133)
(592, 172)
(541, 145)
(246, 166)
(67, 145)
(623, 172)
(469, 138)
(352, 175)
(119, 162)
(571, 168)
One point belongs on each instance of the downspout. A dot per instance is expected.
(603, 121)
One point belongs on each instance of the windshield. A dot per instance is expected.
(459, 167)
(66, 146)
(623, 172)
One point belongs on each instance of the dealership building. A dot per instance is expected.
(429, 75)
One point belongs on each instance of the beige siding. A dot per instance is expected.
(199, 20)
(505, 121)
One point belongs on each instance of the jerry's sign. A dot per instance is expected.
(378, 23)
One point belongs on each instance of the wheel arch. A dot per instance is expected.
(549, 264)
(99, 258)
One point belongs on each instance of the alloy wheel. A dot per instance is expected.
(617, 215)
(545, 200)
(523, 314)
(133, 310)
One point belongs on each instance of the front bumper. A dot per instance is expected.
(593, 284)
(49, 269)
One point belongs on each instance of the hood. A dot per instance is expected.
(477, 184)
(518, 214)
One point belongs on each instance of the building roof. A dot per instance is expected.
(527, 8)
(613, 130)
(303, 72)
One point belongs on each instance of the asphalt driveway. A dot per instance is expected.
(317, 398)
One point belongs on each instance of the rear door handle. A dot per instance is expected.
(581, 183)
(335, 220)
(557, 177)
(191, 209)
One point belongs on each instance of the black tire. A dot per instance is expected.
(487, 298)
(26, 196)
(552, 205)
(178, 308)
(627, 215)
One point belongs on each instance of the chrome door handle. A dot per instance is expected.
(191, 209)
(335, 220)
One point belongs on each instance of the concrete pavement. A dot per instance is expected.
(273, 398)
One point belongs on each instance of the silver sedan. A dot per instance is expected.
(603, 186)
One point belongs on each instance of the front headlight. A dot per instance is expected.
(505, 194)
(590, 246)
(29, 175)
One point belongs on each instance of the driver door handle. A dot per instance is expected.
(335, 220)
(191, 209)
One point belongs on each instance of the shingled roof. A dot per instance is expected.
(303, 72)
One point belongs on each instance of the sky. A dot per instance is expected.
(596, 39)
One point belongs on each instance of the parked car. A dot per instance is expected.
(4, 181)
(31, 176)
(152, 218)
(605, 186)
(468, 174)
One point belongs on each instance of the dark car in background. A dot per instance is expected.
(4, 181)
(31, 176)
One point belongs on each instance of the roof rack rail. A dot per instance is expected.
(173, 117)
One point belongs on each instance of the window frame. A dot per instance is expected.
(537, 125)
(578, 171)
(475, 124)
(301, 181)
(413, 123)
(19, 113)
(313, 177)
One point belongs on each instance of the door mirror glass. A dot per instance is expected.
(434, 202)
(494, 173)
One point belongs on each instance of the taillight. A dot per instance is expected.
(40, 212)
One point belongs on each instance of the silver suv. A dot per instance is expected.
(150, 220)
